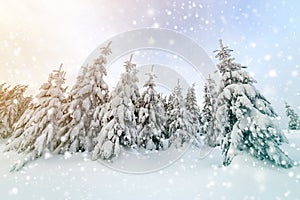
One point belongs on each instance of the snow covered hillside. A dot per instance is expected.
(77, 177)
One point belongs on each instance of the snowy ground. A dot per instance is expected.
(77, 177)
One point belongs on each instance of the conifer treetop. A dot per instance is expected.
(129, 65)
(106, 50)
(178, 99)
(227, 63)
(150, 81)
(59, 75)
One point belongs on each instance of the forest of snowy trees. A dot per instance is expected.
(235, 116)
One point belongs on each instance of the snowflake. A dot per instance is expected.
(14, 191)
(267, 57)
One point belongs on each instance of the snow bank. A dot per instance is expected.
(77, 177)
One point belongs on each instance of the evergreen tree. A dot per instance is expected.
(244, 117)
(3, 91)
(67, 122)
(164, 100)
(78, 131)
(36, 131)
(208, 127)
(119, 123)
(168, 104)
(151, 117)
(192, 106)
(294, 123)
(179, 119)
(12, 107)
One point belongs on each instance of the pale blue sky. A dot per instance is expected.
(35, 37)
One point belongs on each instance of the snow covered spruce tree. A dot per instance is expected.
(151, 117)
(168, 104)
(13, 105)
(3, 94)
(119, 121)
(3, 90)
(192, 106)
(39, 133)
(4, 97)
(90, 91)
(244, 117)
(179, 120)
(67, 122)
(294, 123)
(208, 124)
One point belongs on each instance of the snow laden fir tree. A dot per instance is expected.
(208, 120)
(36, 131)
(119, 122)
(192, 107)
(294, 121)
(151, 118)
(12, 106)
(244, 117)
(89, 93)
(179, 123)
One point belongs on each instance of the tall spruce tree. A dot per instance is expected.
(78, 131)
(192, 106)
(294, 123)
(244, 116)
(168, 104)
(179, 119)
(36, 131)
(151, 117)
(119, 120)
(3, 90)
(13, 106)
(208, 124)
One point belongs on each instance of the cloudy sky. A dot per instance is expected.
(37, 36)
